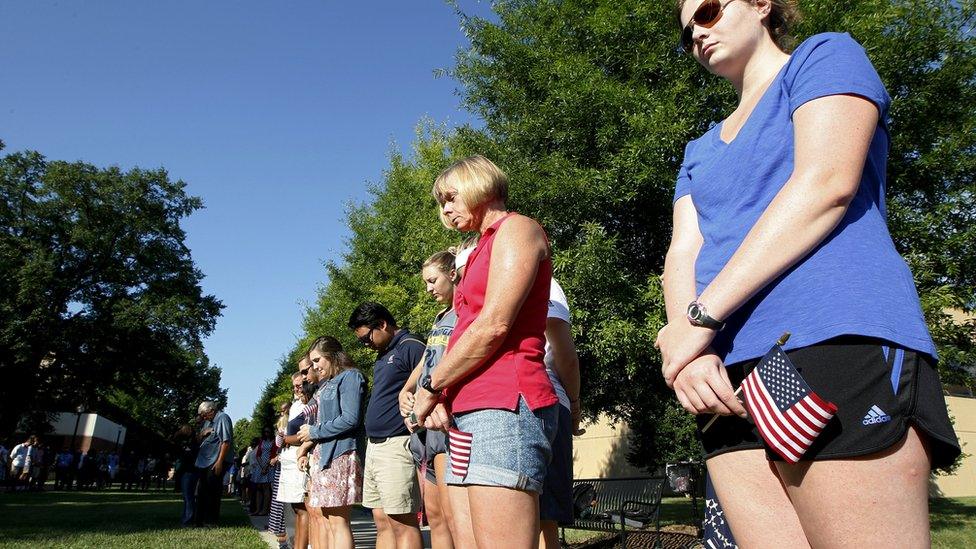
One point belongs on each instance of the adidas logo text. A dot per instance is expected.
(875, 415)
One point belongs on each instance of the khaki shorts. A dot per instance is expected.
(390, 478)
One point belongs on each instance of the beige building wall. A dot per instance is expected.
(963, 482)
(602, 451)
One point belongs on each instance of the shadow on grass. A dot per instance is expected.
(48, 516)
(945, 513)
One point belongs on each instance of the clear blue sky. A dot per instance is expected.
(277, 114)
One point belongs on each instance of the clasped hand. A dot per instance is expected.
(680, 343)
(703, 387)
(695, 372)
(430, 412)
(303, 433)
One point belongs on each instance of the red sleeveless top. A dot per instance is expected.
(517, 367)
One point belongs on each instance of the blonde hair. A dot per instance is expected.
(282, 421)
(477, 181)
(444, 261)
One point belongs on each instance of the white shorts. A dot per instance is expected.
(291, 483)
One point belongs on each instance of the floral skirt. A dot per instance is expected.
(338, 485)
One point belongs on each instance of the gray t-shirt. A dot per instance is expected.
(437, 342)
(223, 431)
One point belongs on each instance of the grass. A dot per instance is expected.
(953, 521)
(115, 519)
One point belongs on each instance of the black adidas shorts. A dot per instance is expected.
(879, 389)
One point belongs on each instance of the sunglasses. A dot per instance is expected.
(367, 338)
(707, 14)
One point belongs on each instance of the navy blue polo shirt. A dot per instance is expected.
(390, 373)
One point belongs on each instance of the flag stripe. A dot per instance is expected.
(828, 408)
(459, 451)
(758, 415)
(808, 413)
(797, 426)
(788, 435)
(816, 410)
(801, 420)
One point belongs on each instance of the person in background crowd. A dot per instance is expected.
(262, 473)
(77, 471)
(429, 448)
(493, 379)
(250, 495)
(239, 477)
(186, 472)
(780, 224)
(335, 470)
(142, 473)
(20, 463)
(112, 461)
(319, 532)
(390, 485)
(161, 471)
(213, 457)
(62, 469)
(45, 459)
(562, 366)
(128, 470)
(101, 471)
(291, 486)
(89, 468)
(276, 519)
(232, 476)
(4, 463)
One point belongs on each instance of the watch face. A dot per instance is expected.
(694, 311)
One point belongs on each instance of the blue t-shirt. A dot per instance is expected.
(390, 373)
(854, 282)
(223, 431)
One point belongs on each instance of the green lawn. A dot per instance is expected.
(115, 519)
(953, 521)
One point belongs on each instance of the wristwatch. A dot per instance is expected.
(698, 316)
(425, 383)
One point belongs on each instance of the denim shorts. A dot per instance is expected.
(508, 449)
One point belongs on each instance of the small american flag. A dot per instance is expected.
(788, 414)
(459, 450)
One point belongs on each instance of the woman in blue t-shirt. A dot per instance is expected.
(779, 225)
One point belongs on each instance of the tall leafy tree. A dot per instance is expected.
(99, 295)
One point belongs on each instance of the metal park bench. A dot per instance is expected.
(618, 504)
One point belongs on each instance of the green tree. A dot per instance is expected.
(99, 297)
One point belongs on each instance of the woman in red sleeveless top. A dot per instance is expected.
(491, 390)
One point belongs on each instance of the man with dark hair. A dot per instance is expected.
(390, 485)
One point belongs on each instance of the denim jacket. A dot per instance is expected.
(339, 425)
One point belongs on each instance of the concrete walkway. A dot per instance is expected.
(363, 529)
